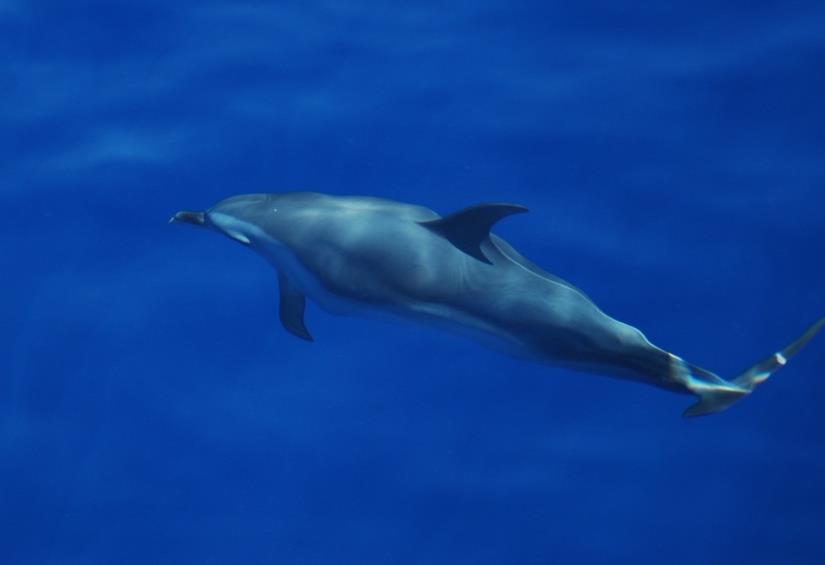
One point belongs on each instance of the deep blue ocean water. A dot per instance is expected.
(152, 409)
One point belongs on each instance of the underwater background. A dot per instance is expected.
(153, 410)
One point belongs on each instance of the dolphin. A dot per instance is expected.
(365, 255)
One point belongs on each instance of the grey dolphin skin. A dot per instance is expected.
(354, 255)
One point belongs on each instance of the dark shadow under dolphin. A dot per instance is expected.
(369, 255)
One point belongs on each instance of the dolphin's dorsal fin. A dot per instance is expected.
(467, 229)
(291, 308)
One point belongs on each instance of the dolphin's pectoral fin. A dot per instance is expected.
(291, 308)
(467, 229)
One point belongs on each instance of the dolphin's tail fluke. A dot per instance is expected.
(716, 394)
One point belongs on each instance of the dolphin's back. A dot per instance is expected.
(509, 252)
(367, 249)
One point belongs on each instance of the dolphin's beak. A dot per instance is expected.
(201, 219)
(189, 217)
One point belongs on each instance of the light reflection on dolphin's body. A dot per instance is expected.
(369, 255)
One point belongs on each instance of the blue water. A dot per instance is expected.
(152, 409)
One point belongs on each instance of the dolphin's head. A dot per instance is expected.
(238, 217)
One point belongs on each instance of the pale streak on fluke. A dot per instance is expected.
(362, 255)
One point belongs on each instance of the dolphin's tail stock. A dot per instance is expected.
(717, 394)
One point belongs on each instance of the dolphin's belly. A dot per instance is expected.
(310, 284)
(440, 315)
(399, 304)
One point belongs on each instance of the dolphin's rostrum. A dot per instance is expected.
(362, 254)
